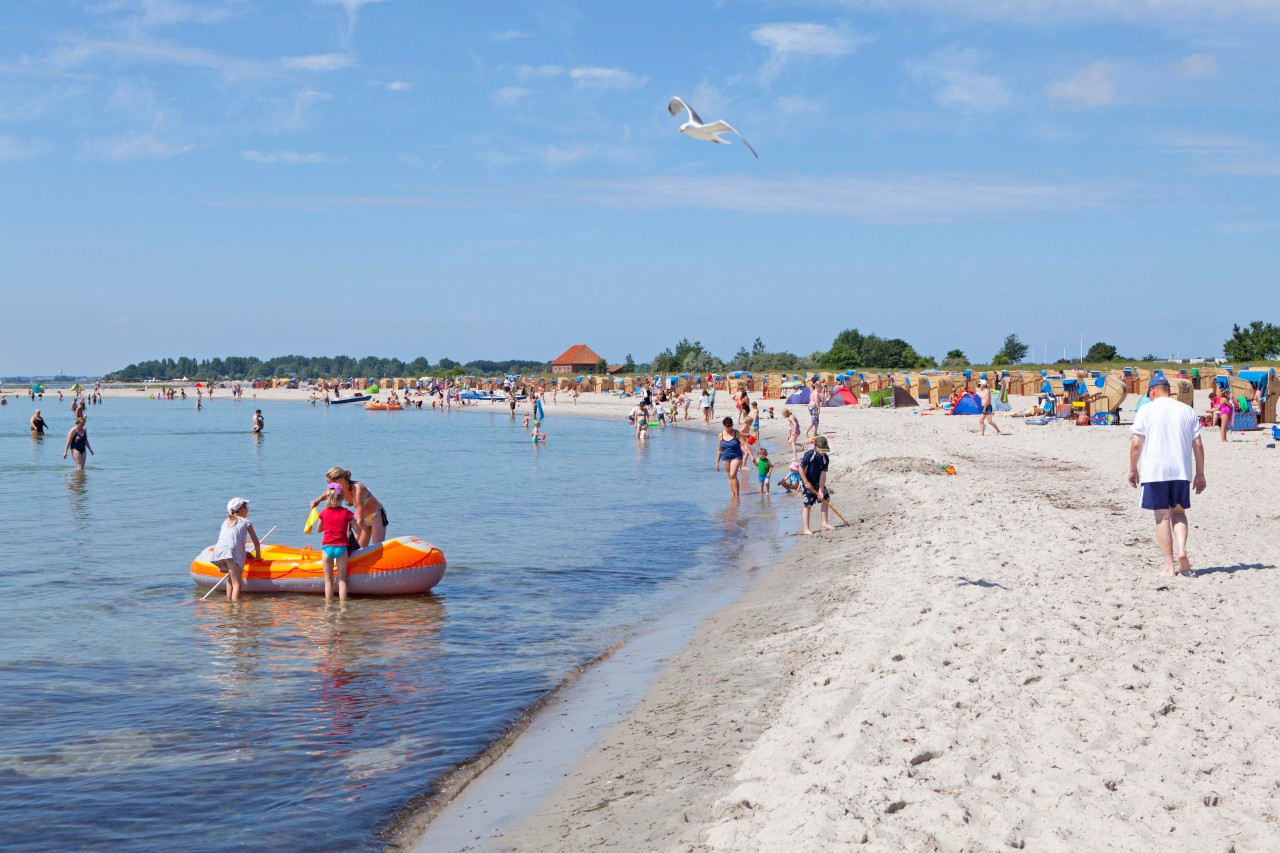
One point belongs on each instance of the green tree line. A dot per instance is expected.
(246, 368)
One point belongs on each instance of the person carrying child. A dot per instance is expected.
(338, 524)
(764, 467)
(229, 552)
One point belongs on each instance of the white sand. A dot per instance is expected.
(979, 662)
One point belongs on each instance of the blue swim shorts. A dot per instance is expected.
(334, 551)
(1166, 494)
(764, 478)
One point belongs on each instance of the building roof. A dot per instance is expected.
(578, 354)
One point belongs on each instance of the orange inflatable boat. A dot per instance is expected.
(381, 407)
(398, 566)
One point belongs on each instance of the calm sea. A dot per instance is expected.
(134, 723)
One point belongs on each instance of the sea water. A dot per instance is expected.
(134, 719)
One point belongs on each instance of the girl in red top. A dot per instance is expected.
(337, 522)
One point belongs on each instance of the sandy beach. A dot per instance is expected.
(984, 661)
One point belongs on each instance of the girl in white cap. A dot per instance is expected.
(228, 554)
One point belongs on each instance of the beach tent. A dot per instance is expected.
(801, 397)
(902, 398)
(842, 397)
(968, 405)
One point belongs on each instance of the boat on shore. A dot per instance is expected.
(398, 566)
(361, 398)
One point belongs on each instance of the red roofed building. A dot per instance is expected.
(578, 358)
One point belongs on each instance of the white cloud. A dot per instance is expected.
(557, 155)
(607, 78)
(511, 35)
(787, 41)
(537, 72)
(1088, 88)
(13, 149)
(393, 85)
(352, 8)
(319, 62)
(1198, 144)
(891, 201)
(134, 145)
(1247, 227)
(302, 103)
(1038, 11)
(289, 158)
(958, 84)
(797, 105)
(1197, 66)
(163, 13)
(509, 96)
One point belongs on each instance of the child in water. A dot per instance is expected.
(338, 524)
(764, 467)
(791, 483)
(642, 430)
(229, 552)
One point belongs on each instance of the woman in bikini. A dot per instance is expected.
(371, 517)
(729, 452)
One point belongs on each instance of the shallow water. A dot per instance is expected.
(134, 723)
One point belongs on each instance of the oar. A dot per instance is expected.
(224, 577)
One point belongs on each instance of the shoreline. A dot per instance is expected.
(982, 661)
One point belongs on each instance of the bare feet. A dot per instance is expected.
(1184, 566)
(807, 532)
(827, 527)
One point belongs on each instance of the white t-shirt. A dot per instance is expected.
(1168, 429)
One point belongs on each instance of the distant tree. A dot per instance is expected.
(1013, 349)
(447, 364)
(741, 360)
(701, 363)
(1100, 352)
(757, 348)
(1149, 357)
(602, 367)
(1000, 360)
(1255, 342)
(955, 358)
(629, 364)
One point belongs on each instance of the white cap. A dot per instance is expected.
(234, 505)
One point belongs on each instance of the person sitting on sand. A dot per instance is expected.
(791, 483)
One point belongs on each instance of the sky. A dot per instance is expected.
(502, 180)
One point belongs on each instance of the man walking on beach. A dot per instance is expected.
(813, 482)
(987, 416)
(1166, 438)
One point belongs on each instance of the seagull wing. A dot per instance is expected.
(723, 126)
(675, 105)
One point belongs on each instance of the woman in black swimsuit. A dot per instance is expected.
(77, 443)
(37, 424)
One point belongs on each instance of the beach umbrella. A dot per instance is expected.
(38, 389)
(77, 388)
(792, 383)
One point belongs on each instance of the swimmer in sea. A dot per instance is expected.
(37, 424)
(77, 443)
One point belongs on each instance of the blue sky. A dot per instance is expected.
(497, 180)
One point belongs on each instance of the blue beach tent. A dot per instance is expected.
(968, 405)
(800, 397)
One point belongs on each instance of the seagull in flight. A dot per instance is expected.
(698, 129)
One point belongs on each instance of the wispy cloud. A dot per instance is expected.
(352, 8)
(798, 105)
(300, 113)
(958, 84)
(590, 77)
(1247, 227)
(1197, 66)
(319, 62)
(1038, 11)
(511, 35)
(509, 96)
(396, 86)
(289, 158)
(133, 145)
(12, 148)
(1257, 168)
(789, 41)
(164, 13)
(1200, 144)
(561, 155)
(1090, 87)
(525, 73)
(890, 201)
(904, 200)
